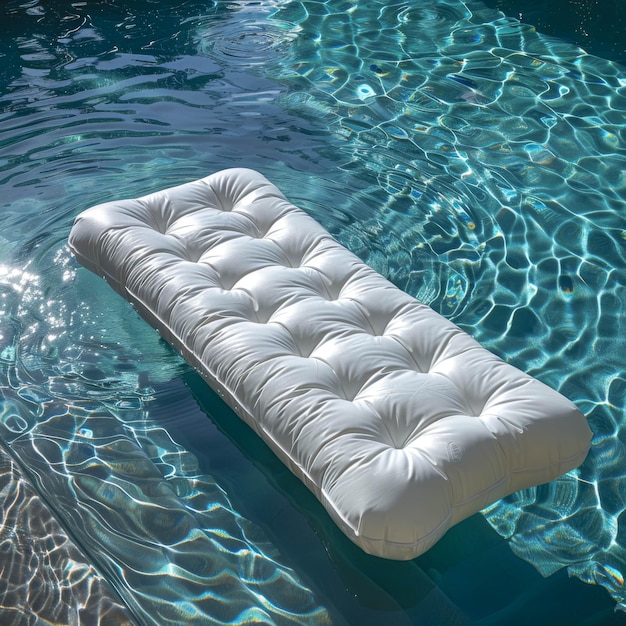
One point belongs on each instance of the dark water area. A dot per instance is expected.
(597, 26)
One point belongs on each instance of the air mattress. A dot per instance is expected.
(397, 420)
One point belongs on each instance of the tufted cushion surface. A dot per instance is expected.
(398, 421)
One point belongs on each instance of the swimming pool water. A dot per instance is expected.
(473, 160)
(598, 27)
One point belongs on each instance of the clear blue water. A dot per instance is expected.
(472, 159)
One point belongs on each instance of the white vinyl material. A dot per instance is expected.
(398, 421)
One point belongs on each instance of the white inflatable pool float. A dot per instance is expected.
(399, 422)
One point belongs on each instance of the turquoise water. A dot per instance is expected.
(476, 162)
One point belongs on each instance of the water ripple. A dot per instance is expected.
(45, 576)
(490, 184)
(81, 422)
